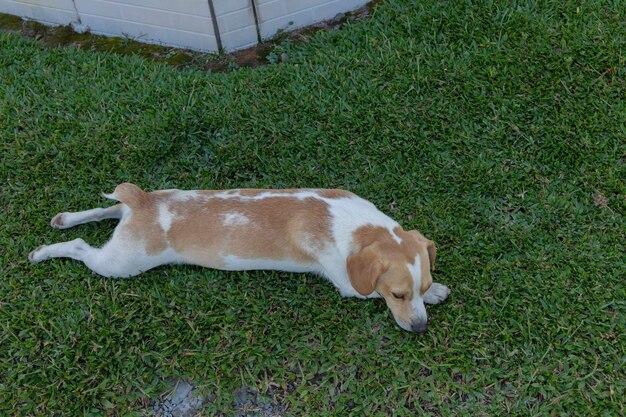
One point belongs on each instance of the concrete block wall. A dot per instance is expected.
(235, 20)
(51, 12)
(275, 15)
(182, 23)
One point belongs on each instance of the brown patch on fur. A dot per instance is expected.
(253, 192)
(364, 268)
(432, 254)
(334, 193)
(426, 258)
(322, 192)
(412, 244)
(430, 247)
(281, 228)
(378, 247)
(407, 249)
(130, 194)
(143, 223)
(397, 277)
(426, 279)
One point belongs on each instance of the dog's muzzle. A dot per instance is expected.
(418, 326)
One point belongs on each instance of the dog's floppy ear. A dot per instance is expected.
(430, 247)
(364, 268)
(432, 253)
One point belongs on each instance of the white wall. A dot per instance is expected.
(181, 23)
(235, 20)
(52, 12)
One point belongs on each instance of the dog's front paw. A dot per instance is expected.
(36, 255)
(58, 221)
(436, 293)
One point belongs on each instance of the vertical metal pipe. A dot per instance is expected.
(76, 11)
(216, 28)
(256, 21)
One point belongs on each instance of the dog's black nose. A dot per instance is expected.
(418, 326)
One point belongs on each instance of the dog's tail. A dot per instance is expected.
(129, 194)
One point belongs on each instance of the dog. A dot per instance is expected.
(330, 232)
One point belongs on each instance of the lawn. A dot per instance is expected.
(497, 129)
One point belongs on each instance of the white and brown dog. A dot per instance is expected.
(334, 233)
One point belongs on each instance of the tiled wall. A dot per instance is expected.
(182, 23)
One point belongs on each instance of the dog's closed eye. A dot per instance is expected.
(398, 296)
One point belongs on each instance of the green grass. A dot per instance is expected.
(488, 127)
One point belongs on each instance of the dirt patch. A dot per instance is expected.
(180, 400)
(249, 404)
(599, 200)
(262, 54)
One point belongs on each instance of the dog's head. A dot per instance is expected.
(398, 268)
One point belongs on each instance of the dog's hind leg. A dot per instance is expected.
(70, 219)
(126, 253)
(113, 260)
(76, 249)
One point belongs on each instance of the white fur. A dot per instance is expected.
(117, 258)
(416, 272)
(182, 195)
(234, 263)
(436, 293)
(236, 194)
(417, 303)
(235, 219)
(348, 214)
(66, 220)
(166, 217)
